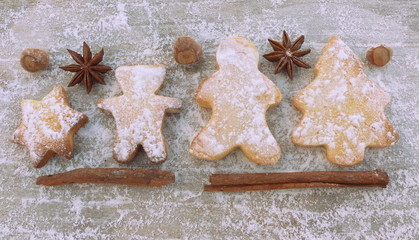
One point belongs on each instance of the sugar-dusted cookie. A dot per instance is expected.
(239, 95)
(139, 112)
(48, 127)
(342, 109)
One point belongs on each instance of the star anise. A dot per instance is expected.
(88, 69)
(287, 54)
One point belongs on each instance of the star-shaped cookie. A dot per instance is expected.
(139, 112)
(48, 127)
(342, 108)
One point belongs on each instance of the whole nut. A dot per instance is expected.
(34, 60)
(187, 51)
(379, 56)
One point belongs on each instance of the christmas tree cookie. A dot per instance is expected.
(342, 109)
(239, 95)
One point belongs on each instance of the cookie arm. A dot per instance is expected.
(204, 93)
(171, 105)
(104, 104)
(274, 95)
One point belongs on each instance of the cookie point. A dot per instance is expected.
(334, 38)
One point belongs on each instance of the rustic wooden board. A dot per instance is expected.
(142, 32)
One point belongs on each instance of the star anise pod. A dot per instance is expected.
(287, 54)
(87, 68)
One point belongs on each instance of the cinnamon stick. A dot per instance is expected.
(269, 181)
(262, 187)
(136, 177)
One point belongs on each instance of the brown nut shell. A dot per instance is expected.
(34, 60)
(187, 51)
(379, 56)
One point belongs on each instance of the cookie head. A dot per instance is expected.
(239, 52)
(140, 78)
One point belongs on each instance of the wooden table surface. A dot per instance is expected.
(143, 32)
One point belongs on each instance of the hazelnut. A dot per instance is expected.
(379, 56)
(187, 51)
(34, 60)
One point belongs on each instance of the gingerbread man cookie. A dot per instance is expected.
(139, 112)
(239, 95)
(342, 109)
(48, 127)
